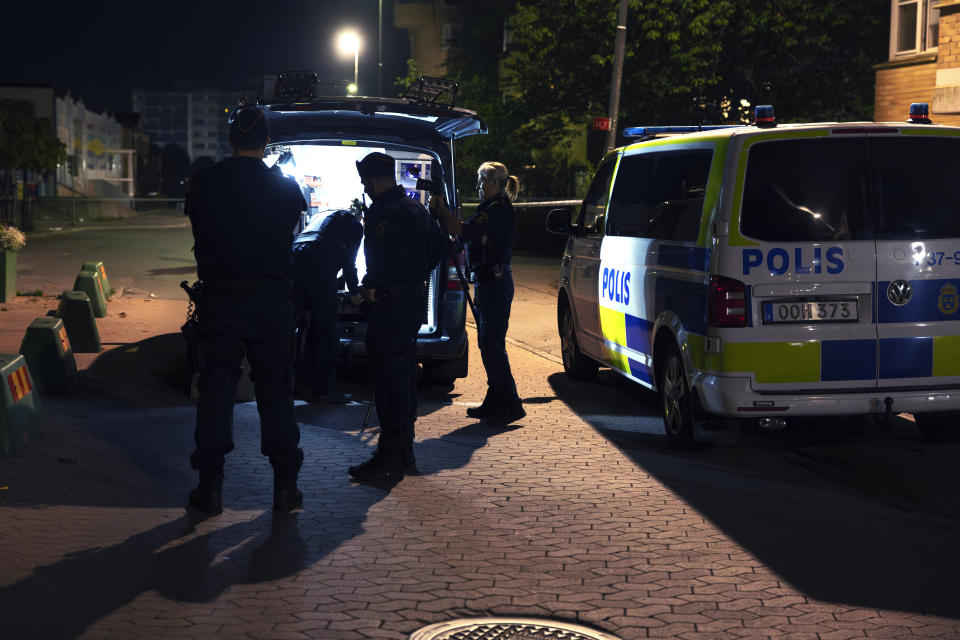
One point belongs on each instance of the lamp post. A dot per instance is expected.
(349, 43)
(616, 74)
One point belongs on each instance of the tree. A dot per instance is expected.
(413, 74)
(27, 143)
(698, 60)
(686, 62)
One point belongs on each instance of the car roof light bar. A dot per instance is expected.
(427, 90)
(763, 116)
(650, 132)
(919, 113)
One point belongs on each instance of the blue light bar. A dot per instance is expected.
(919, 113)
(763, 116)
(646, 132)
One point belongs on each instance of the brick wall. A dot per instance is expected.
(897, 87)
(898, 83)
(948, 53)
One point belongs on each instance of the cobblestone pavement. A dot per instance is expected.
(547, 519)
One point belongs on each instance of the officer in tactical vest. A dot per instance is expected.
(397, 231)
(243, 216)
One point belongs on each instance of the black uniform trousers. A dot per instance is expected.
(493, 297)
(391, 344)
(260, 322)
(317, 282)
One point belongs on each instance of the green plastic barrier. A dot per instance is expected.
(8, 275)
(97, 266)
(89, 282)
(19, 405)
(46, 348)
(77, 314)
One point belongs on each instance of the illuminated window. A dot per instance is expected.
(915, 27)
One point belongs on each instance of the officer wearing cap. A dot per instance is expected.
(327, 245)
(396, 249)
(243, 216)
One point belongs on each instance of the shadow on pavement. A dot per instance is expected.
(181, 560)
(190, 559)
(190, 270)
(455, 449)
(841, 518)
(148, 373)
(112, 445)
(450, 451)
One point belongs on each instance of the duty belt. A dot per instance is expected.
(489, 273)
(253, 285)
(404, 291)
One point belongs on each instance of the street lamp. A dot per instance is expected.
(349, 42)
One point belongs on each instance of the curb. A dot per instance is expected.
(44, 234)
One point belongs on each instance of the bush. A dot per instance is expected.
(11, 238)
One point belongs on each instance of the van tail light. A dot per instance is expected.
(453, 280)
(728, 302)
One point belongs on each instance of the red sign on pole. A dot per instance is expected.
(601, 124)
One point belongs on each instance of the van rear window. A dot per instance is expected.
(806, 190)
(916, 186)
(828, 189)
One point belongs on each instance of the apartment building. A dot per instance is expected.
(924, 61)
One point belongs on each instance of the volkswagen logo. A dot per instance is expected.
(899, 292)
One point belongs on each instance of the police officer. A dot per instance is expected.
(489, 234)
(327, 245)
(397, 229)
(243, 215)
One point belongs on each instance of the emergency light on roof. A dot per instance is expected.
(650, 132)
(763, 116)
(296, 85)
(919, 113)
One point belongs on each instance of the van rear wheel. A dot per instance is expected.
(575, 364)
(676, 401)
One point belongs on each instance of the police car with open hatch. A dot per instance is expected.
(317, 140)
(769, 271)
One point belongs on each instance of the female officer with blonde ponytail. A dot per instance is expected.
(489, 237)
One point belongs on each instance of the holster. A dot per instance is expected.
(191, 328)
(191, 335)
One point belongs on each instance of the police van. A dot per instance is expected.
(769, 271)
(317, 140)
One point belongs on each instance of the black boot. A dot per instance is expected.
(385, 464)
(286, 466)
(510, 409)
(208, 494)
(487, 408)
(407, 458)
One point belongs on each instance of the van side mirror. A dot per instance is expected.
(558, 221)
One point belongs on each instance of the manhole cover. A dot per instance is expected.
(508, 629)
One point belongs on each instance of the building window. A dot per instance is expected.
(915, 27)
(451, 35)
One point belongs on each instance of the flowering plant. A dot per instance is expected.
(11, 238)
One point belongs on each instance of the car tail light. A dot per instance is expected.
(728, 302)
(453, 280)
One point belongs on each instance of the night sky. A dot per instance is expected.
(102, 50)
